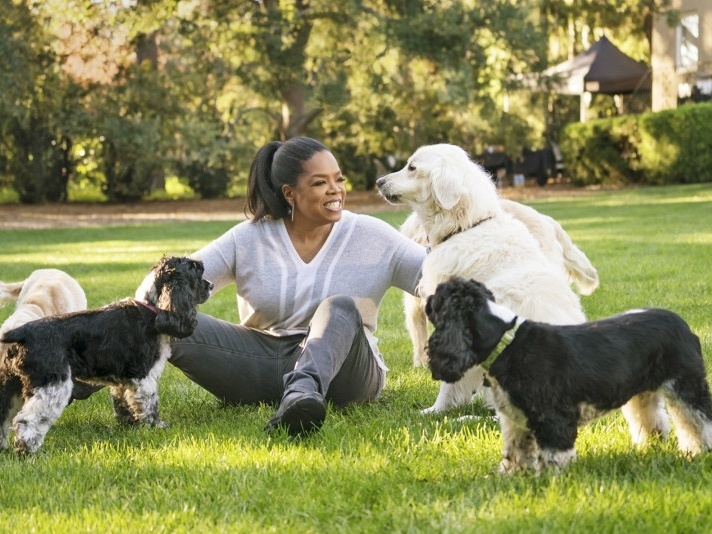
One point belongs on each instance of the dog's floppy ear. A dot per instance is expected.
(176, 314)
(430, 308)
(446, 184)
(466, 330)
(176, 307)
(450, 345)
(487, 327)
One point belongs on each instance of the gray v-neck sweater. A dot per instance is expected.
(278, 293)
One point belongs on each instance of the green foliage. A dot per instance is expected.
(380, 467)
(415, 81)
(133, 123)
(675, 145)
(652, 148)
(192, 89)
(38, 109)
(599, 152)
(208, 182)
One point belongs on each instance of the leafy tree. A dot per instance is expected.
(427, 72)
(124, 93)
(37, 109)
(574, 26)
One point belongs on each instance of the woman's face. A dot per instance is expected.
(320, 193)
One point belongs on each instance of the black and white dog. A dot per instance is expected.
(547, 380)
(124, 345)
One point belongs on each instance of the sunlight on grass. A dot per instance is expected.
(382, 467)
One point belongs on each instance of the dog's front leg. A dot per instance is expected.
(10, 405)
(122, 410)
(458, 393)
(137, 403)
(520, 451)
(417, 324)
(146, 396)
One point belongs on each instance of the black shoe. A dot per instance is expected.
(299, 413)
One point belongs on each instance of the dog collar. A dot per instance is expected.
(460, 230)
(147, 305)
(504, 342)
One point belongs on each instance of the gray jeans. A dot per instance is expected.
(243, 365)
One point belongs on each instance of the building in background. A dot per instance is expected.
(681, 56)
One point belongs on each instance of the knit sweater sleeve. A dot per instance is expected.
(278, 293)
(219, 259)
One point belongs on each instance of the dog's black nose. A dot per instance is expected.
(380, 181)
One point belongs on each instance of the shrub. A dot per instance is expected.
(601, 151)
(671, 146)
(207, 181)
(676, 145)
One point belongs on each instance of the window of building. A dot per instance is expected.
(688, 39)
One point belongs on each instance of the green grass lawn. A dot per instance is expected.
(376, 468)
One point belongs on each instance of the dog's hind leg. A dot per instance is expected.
(645, 414)
(690, 407)
(10, 405)
(39, 413)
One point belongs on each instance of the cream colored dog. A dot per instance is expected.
(553, 240)
(473, 236)
(45, 292)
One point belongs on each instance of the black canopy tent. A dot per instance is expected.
(603, 68)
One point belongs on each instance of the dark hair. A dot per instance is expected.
(276, 164)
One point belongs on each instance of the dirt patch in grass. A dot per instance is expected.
(23, 216)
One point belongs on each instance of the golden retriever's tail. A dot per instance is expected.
(578, 267)
(556, 244)
(10, 292)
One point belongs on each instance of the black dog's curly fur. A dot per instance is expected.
(551, 379)
(123, 345)
(452, 307)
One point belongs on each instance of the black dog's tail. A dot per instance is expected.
(16, 335)
(13, 338)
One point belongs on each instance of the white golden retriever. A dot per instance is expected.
(553, 240)
(45, 292)
(473, 236)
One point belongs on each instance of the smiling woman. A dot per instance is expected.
(309, 279)
(315, 203)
